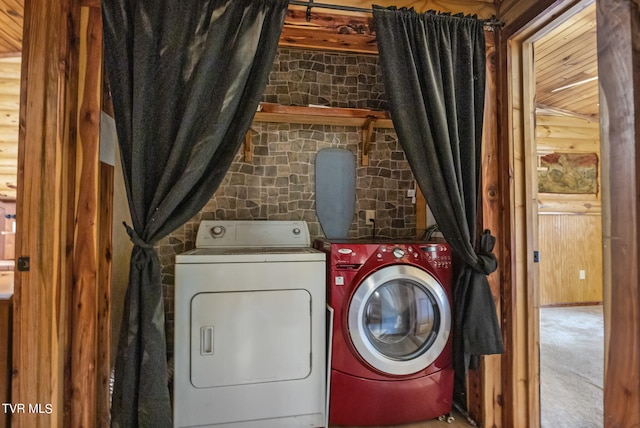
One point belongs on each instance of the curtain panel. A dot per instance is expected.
(433, 68)
(186, 78)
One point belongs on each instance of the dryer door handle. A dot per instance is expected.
(206, 340)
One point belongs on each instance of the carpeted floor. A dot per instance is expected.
(571, 366)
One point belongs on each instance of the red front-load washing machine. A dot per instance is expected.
(392, 344)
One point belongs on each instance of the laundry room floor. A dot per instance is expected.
(460, 421)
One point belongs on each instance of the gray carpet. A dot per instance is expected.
(571, 367)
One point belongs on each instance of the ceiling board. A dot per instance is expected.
(568, 55)
(11, 16)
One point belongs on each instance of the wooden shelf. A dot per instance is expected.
(365, 119)
(358, 118)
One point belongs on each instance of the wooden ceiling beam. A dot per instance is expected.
(353, 31)
(329, 32)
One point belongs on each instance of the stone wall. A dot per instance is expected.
(303, 77)
(279, 182)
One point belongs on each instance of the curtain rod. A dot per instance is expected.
(492, 22)
(309, 4)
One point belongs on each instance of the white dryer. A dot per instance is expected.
(250, 327)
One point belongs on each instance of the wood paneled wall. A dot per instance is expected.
(61, 312)
(569, 244)
(567, 134)
(5, 357)
(41, 295)
(7, 232)
(9, 112)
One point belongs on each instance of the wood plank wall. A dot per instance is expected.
(569, 244)
(59, 358)
(9, 113)
(569, 225)
(6, 306)
(41, 294)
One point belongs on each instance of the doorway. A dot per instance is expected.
(567, 188)
(549, 235)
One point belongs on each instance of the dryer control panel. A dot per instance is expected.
(252, 234)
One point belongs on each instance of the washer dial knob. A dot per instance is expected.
(398, 253)
(218, 231)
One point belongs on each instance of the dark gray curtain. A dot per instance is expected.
(433, 67)
(186, 78)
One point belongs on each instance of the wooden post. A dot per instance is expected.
(619, 71)
(105, 275)
(84, 310)
(484, 385)
(44, 210)
(60, 340)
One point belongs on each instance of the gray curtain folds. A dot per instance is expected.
(186, 78)
(433, 67)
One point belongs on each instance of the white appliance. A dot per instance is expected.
(250, 327)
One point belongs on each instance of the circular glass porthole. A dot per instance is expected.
(399, 319)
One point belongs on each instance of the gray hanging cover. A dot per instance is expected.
(186, 78)
(433, 67)
(335, 191)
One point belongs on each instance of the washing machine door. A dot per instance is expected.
(399, 319)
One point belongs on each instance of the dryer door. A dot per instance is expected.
(248, 337)
(399, 319)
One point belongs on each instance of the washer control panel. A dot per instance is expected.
(439, 255)
(348, 260)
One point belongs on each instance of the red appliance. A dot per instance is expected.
(392, 344)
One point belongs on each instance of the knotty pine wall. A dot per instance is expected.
(9, 112)
(570, 244)
(569, 225)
